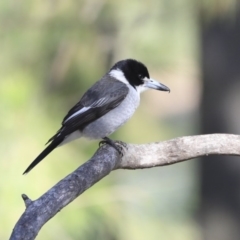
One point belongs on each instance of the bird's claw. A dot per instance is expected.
(118, 145)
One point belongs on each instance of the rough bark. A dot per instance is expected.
(105, 160)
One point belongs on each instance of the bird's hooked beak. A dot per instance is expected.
(153, 84)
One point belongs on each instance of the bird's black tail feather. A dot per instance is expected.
(44, 153)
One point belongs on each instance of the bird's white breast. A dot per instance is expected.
(109, 123)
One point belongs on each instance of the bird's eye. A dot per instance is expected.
(140, 76)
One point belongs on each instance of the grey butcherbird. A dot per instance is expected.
(106, 106)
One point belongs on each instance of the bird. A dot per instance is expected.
(104, 107)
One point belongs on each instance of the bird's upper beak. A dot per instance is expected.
(153, 84)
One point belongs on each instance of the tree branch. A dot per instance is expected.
(105, 160)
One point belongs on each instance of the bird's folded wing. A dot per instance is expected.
(95, 103)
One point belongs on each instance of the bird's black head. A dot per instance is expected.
(134, 71)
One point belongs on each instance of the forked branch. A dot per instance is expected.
(105, 160)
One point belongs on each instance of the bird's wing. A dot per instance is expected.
(102, 97)
(94, 104)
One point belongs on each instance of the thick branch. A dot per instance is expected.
(105, 160)
(178, 150)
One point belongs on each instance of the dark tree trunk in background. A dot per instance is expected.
(220, 111)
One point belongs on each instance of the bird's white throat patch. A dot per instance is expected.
(141, 89)
(119, 75)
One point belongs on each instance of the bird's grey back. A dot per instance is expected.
(104, 88)
(112, 120)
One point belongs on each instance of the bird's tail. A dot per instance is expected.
(44, 153)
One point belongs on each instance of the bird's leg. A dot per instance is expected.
(110, 142)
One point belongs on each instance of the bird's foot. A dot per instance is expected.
(118, 145)
(122, 146)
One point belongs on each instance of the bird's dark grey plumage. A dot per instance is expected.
(107, 105)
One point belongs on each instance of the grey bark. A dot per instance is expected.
(106, 159)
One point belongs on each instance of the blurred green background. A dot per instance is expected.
(51, 52)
